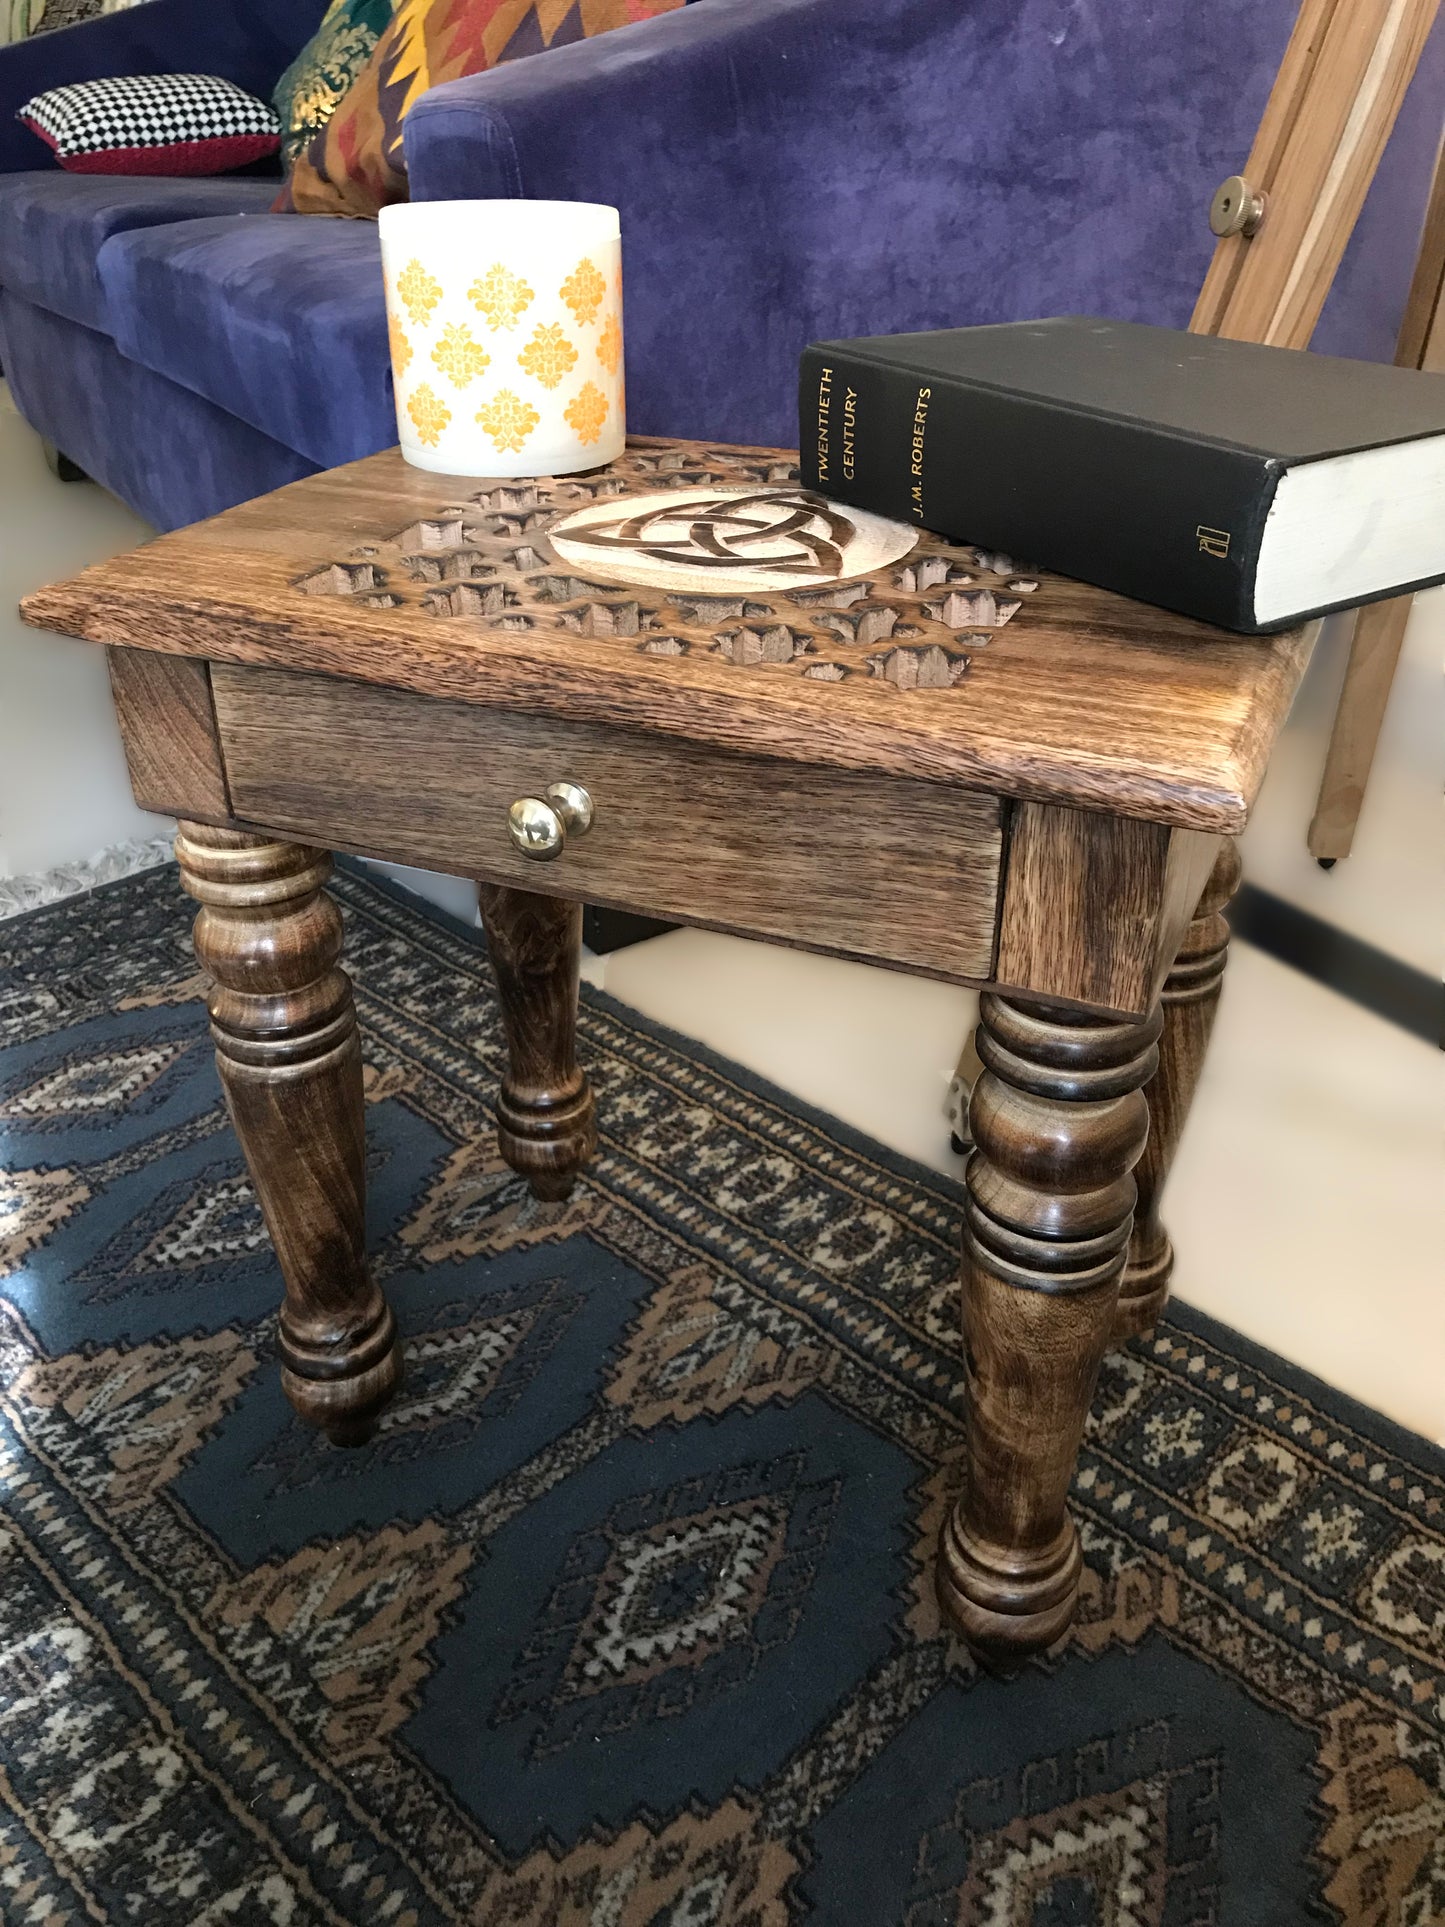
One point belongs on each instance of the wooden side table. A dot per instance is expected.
(943, 761)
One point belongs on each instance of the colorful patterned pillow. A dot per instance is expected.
(318, 79)
(355, 164)
(152, 124)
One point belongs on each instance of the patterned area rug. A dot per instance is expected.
(625, 1619)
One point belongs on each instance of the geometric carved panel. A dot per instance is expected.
(486, 556)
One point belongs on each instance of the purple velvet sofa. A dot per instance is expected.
(785, 169)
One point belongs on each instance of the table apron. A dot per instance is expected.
(896, 871)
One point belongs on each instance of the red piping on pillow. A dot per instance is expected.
(178, 158)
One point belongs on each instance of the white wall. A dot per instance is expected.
(64, 795)
(1389, 889)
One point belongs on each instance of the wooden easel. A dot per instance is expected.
(1334, 102)
(1339, 88)
(1380, 628)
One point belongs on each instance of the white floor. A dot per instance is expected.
(1307, 1205)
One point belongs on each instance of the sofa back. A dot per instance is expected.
(795, 169)
(248, 41)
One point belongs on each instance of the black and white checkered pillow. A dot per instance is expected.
(153, 124)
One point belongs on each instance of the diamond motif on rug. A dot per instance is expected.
(125, 1420)
(209, 1222)
(1097, 1863)
(358, 1617)
(465, 1371)
(213, 1223)
(33, 1204)
(703, 1345)
(448, 1371)
(707, 1869)
(674, 1598)
(477, 1203)
(677, 1594)
(87, 1084)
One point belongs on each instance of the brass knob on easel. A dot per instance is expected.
(1237, 208)
(538, 825)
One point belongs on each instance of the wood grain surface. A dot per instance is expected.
(1079, 696)
(1058, 1120)
(1094, 906)
(546, 1125)
(1421, 341)
(289, 1057)
(1375, 645)
(1379, 632)
(163, 706)
(880, 867)
(1189, 1004)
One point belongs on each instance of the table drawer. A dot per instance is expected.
(869, 866)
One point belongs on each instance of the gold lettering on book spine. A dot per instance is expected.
(825, 406)
(850, 432)
(915, 452)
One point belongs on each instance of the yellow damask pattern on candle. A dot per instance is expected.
(583, 291)
(548, 356)
(419, 292)
(508, 420)
(429, 415)
(500, 295)
(587, 411)
(459, 356)
(401, 348)
(609, 344)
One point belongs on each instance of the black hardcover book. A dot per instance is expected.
(1250, 487)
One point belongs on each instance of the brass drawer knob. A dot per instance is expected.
(538, 825)
(1237, 208)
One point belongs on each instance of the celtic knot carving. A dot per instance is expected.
(734, 532)
(487, 557)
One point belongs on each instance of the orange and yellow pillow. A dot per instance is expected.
(355, 164)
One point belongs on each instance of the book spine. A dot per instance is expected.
(1128, 507)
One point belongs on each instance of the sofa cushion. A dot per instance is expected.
(355, 164)
(172, 455)
(53, 226)
(281, 321)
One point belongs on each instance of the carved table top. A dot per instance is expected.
(696, 590)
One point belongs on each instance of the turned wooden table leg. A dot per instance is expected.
(290, 1063)
(1058, 1121)
(1190, 1002)
(545, 1114)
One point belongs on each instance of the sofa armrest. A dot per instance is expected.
(247, 41)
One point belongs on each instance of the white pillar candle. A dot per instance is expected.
(506, 334)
